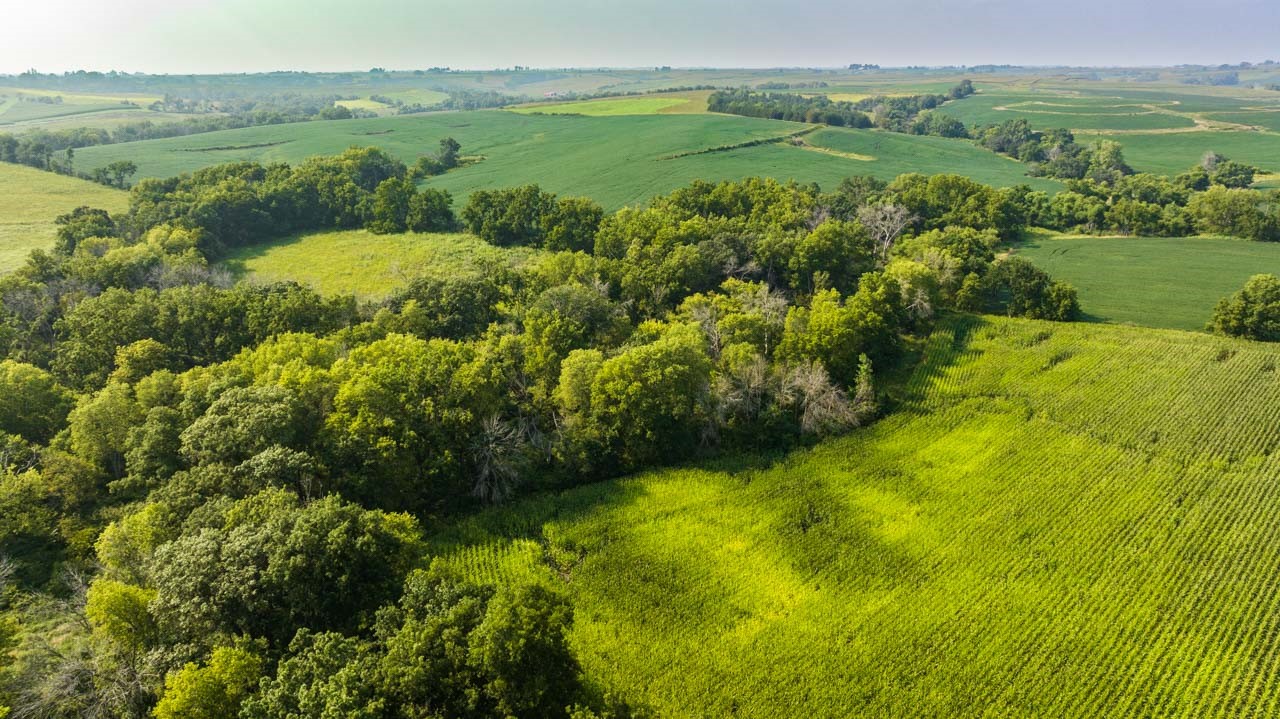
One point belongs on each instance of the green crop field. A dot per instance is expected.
(1171, 153)
(1152, 281)
(615, 160)
(1044, 110)
(364, 264)
(30, 199)
(896, 153)
(611, 107)
(1058, 521)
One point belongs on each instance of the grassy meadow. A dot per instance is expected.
(31, 199)
(1169, 282)
(361, 263)
(674, 103)
(1057, 520)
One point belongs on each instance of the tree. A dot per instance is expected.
(431, 211)
(391, 204)
(1230, 173)
(515, 216)
(885, 222)
(80, 224)
(120, 171)
(1252, 313)
(32, 404)
(572, 224)
(214, 690)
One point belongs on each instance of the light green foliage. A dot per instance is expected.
(647, 402)
(367, 265)
(118, 612)
(212, 691)
(1026, 512)
(405, 412)
(32, 404)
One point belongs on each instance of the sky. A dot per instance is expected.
(200, 36)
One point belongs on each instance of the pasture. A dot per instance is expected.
(31, 199)
(615, 160)
(1057, 520)
(366, 265)
(1169, 282)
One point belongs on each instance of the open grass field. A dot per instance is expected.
(615, 160)
(1057, 521)
(1172, 153)
(366, 265)
(1151, 281)
(365, 104)
(663, 104)
(30, 199)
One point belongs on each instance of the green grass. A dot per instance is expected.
(1057, 521)
(615, 160)
(607, 108)
(1169, 282)
(30, 199)
(364, 264)
(24, 112)
(426, 98)
(1157, 282)
(897, 153)
(365, 104)
(1172, 153)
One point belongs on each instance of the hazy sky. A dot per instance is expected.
(178, 36)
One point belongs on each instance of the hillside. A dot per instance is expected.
(616, 160)
(1059, 520)
(30, 199)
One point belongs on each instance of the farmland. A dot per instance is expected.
(363, 264)
(1067, 521)
(31, 199)
(615, 160)
(1171, 153)
(1152, 281)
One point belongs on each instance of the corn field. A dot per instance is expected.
(1056, 521)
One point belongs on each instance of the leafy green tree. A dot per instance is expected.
(1252, 313)
(391, 203)
(648, 403)
(81, 224)
(431, 211)
(322, 675)
(214, 690)
(572, 224)
(1230, 173)
(32, 403)
(403, 418)
(268, 565)
(514, 216)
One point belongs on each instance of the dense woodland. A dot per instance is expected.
(214, 496)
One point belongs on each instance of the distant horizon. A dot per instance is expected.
(651, 67)
(186, 37)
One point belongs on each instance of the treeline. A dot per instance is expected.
(54, 150)
(241, 474)
(1199, 201)
(900, 114)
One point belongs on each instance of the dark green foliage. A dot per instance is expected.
(80, 224)
(1252, 313)
(1023, 290)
